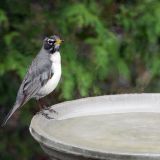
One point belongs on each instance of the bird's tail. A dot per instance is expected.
(15, 107)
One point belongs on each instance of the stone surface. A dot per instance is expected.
(119, 127)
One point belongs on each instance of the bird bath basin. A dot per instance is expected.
(116, 127)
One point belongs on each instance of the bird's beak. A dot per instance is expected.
(58, 41)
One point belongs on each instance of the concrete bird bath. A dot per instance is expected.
(118, 127)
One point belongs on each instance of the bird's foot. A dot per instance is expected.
(47, 116)
(50, 110)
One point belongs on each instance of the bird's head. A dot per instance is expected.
(52, 44)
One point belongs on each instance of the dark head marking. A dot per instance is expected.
(52, 44)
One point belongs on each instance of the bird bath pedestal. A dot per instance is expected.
(118, 127)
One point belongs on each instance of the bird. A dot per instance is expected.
(42, 76)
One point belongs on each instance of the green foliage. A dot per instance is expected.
(109, 46)
(3, 18)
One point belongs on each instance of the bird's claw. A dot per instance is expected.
(46, 115)
(51, 110)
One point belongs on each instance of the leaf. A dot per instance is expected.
(123, 69)
(8, 38)
(3, 17)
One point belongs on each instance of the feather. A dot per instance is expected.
(37, 76)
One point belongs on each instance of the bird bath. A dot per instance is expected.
(116, 127)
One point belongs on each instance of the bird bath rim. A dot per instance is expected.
(50, 142)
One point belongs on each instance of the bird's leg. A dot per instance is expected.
(40, 104)
(46, 107)
(41, 107)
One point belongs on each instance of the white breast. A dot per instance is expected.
(53, 82)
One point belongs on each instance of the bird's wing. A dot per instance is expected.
(37, 76)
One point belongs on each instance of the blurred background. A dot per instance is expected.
(111, 47)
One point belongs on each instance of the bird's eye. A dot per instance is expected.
(50, 41)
